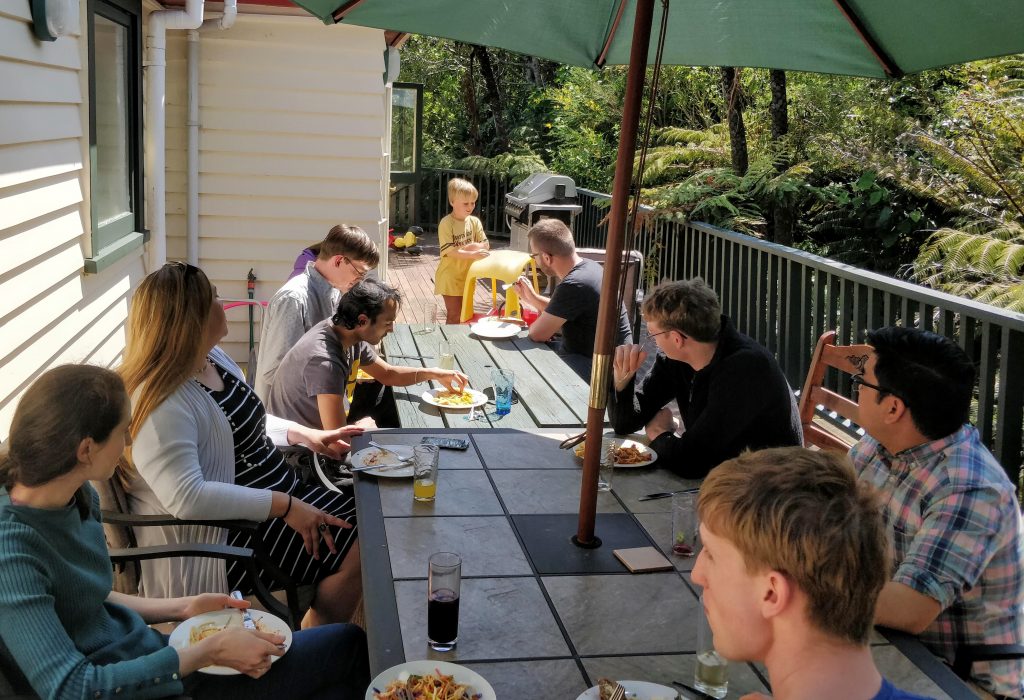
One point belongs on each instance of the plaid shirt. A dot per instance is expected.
(957, 538)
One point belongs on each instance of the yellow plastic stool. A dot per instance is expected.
(503, 265)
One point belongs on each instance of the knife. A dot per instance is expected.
(666, 494)
(247, 621)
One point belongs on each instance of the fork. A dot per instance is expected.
(384, 449)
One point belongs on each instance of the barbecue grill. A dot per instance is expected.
(540, 196)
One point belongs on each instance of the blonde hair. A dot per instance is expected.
(804, 514)
(457, 187)
(165, 330)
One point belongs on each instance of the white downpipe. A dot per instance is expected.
(192, 224)
(156, 83)
(226, 21)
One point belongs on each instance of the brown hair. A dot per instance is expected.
(553, 237)
(165, 330)
(804, 514)
(64, 406)
(688, 306)
(457, 187)
(351, 242)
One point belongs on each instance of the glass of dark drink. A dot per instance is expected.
(443, 582)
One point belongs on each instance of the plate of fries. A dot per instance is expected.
(197, 628)
(628, 453)
(429, 679)
(442, 398)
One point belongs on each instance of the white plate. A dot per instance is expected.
(578, 451)
(267, 622)
(495, 330)
(479, 399)
(388, 460)
(479, 687)
(643, 690)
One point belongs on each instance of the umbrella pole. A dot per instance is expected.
(608, 311)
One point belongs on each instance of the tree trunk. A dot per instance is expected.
(493, 98)
(737, 131)
(536, 77)
(778, 109)
(475, 146)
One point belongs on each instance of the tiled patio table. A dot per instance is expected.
(539, 617)
(548, 393)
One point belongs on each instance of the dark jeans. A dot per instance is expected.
(378, 402)
(330, 661)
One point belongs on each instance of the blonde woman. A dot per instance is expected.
(60, 622)
(204, 447)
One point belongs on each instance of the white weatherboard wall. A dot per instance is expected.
(293, 119)
(50, 312)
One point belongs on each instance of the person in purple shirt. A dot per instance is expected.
(793, 559)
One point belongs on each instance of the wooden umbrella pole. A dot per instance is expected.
(608, 311)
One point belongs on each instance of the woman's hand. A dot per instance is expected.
(325, 442)
(312, 523)
(208, 602)
(248, 651)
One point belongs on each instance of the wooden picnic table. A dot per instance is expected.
(548, 394)
(539, 617)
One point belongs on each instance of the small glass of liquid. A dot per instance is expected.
(445, 357)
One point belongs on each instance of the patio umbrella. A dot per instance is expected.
(870, 38)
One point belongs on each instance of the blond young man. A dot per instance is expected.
(462, 240)
(731, 393)
(794, 558)
(346, 256)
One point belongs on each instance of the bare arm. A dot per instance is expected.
(902, 608)
(332, 411)
(394, 375)
(546, 326)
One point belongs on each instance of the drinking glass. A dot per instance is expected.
(685, 524)
(504, 382)
(429, 316)
(424, 472)
(444, 577)
(606, 467)
(711, 672)
(445, 357)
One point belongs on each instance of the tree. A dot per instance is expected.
(733, 96)
(493, 96)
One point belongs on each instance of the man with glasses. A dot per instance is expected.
(345, 257)
(958, 540)
(732, 394)
(572, 308)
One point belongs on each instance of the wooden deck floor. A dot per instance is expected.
(413, 276)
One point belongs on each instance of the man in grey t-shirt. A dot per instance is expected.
(315, 380)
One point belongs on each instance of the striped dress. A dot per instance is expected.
(259, 464)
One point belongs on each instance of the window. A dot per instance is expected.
(115, 130)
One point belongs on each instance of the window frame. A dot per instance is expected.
(116, 240)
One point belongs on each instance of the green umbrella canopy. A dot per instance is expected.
(872, 38)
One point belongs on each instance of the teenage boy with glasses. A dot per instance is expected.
(958, 543)
(731, 393)
(346, 255)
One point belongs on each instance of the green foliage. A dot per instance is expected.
(513, 166)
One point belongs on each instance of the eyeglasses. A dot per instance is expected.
(858, 381)
(651, 336)
(360, 273)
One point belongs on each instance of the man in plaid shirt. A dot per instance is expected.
(958, 541)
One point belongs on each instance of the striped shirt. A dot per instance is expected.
(958, 539)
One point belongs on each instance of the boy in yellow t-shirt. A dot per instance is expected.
(462, 240)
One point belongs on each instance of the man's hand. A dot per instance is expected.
(452, 380)
(325, 442)
(525, 291)
(628, 359)
(663, 422)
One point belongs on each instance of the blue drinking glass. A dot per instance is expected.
(504, 381)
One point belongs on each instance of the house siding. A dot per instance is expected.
(292, 124)
(50, 313)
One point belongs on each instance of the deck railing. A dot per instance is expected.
(433, 205)
(786, 298)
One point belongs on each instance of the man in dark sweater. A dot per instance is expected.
(731, 392)
(572, 308)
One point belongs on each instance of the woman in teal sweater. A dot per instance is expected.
(60, 622)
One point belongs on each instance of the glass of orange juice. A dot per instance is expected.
(424, 470)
